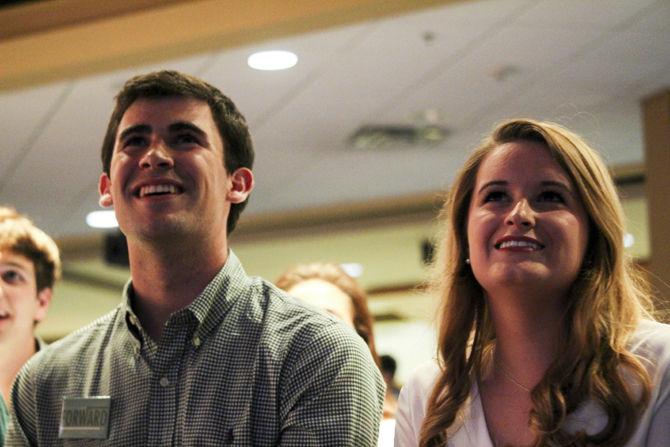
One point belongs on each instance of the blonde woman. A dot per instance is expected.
(328, 287)
(545, 336)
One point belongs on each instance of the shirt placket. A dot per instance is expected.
(164, 402)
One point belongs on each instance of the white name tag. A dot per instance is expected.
(85, 417)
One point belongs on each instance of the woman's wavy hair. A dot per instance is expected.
(604, 306)
(335, 275)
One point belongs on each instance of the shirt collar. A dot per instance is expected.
(216, 300)
(209, 307)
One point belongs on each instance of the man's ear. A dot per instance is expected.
(43, 301)
(242, 182)
(105, 190)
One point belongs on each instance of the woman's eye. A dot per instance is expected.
(134, 141)
(494, 196)
(551, 196)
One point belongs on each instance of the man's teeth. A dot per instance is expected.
(524, 244)
(157, 189)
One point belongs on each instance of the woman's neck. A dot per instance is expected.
(528, 332)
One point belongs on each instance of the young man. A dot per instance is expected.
(29, 267)
(198, 353)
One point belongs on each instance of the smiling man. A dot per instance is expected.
(29, 267)
(198, 353)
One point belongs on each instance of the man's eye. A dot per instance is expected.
(186, 138)
(12, 277)
(551, 196)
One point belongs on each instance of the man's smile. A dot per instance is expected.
(158, 190)
(157, 187)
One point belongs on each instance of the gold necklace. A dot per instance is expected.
(507, 374)
(512, 379)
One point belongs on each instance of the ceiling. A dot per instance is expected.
(461, 65)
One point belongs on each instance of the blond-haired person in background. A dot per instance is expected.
(29, 268)
(545, 335)
(328, 287)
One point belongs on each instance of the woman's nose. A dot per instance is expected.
(522, 215)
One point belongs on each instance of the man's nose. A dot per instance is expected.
(157, 156)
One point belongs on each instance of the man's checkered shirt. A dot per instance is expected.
(244, 364)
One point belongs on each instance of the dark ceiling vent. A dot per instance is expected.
(375, 136)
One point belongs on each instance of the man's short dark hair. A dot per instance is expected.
(238, 149)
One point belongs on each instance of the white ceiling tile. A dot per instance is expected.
(621, 60)
(22, 114)
(653, 19)
(477, 14)
(470, 88)
(599, 14)
(261, 94)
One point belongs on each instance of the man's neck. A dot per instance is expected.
(166, 279)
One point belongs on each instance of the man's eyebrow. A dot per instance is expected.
(139, 128)
(15, 265)
(185, 125)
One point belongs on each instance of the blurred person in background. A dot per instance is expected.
(388, 366)
(328, 287)
(546, 334)
(29, 268)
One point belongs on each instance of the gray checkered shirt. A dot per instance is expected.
(244, 365)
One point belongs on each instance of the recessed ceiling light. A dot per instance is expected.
(102, 219)
(272, 60)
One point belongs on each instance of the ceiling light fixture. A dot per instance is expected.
(272, 60)
(102, 219)
(376, 136)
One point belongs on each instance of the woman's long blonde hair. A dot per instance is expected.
(604, 306)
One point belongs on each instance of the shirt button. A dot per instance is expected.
(164, 382)
(196, 341)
